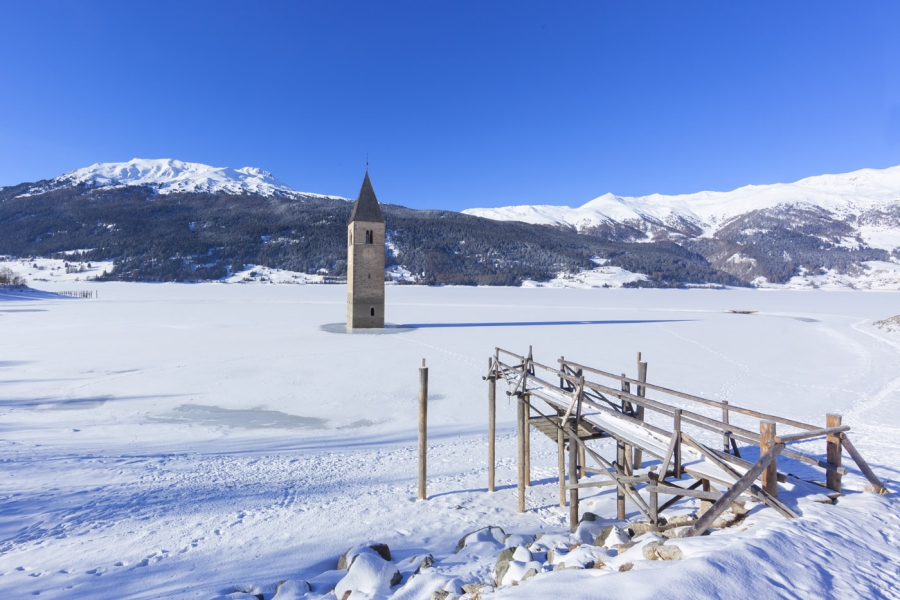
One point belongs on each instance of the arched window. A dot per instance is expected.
(369, 236)
(372, 312)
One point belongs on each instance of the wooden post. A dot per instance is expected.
(625, 453)
(423, 427)
(642, 392)
(676, 454)
(726, 445)
(620, 494)
(654, 501)
(527, 399)
(520, 439)
(492, 425)
(561, 459)
(766, 443)
(705, 505)
(833, 453)
(582, 461)
(573, 481)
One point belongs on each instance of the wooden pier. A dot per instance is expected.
(579, 407)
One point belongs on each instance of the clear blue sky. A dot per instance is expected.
(459, 104)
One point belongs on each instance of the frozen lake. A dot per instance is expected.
(175, 440)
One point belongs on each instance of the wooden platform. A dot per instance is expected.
(604, 407)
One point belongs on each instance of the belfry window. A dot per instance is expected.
(369, 236)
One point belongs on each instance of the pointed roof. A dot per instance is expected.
(366, 207)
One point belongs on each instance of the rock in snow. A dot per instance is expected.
(492, 535)
(369, 575)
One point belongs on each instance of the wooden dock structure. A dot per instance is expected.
(579, 406)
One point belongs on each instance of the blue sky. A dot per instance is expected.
(459, 104)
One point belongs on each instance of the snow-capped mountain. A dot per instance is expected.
(867, 200)
(168, 176)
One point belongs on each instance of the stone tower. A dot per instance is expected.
(365, 261)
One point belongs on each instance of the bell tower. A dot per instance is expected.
(365, 261)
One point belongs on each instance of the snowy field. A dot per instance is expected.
(186, 441)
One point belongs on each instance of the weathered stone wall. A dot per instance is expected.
(365, 275)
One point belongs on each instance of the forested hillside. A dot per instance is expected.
(201, 236)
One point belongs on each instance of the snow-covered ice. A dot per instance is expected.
(190, 441)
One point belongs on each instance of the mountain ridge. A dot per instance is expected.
(702, 214)
(168, 176)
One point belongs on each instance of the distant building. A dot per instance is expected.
(365, 261)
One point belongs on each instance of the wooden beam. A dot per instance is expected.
(672, 501)
(729, 497)
(674, 490)
(664, 468)
(863, 465)
(794, 437)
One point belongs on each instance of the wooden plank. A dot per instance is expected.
(833, 453)
(729, 497)
(863, 465)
